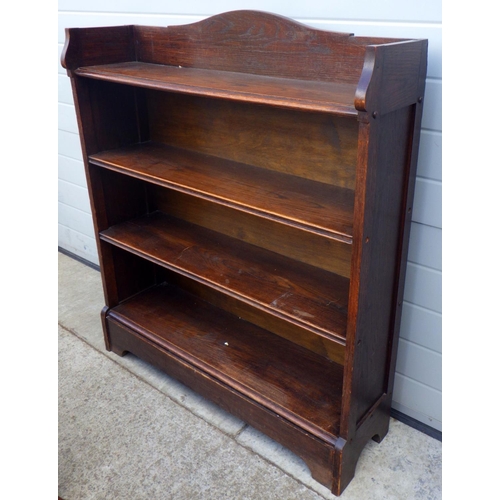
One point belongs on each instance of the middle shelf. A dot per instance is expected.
(309, 205)
(311, 298)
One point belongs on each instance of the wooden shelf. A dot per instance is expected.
(314, 206)
(308, 95)
(245, 357)
(299, 293)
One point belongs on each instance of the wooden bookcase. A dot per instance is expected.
(251, 182)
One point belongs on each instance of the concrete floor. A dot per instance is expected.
(127, 431)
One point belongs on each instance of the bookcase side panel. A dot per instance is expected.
(384, 175)
(108, 116)
(101, 45)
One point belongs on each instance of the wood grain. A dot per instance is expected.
(256, 43)
(329, 97)
(310, 205)
(301, 294)
(334, 350)
(318, 453)
(245, 357)
(307, 247)
(317, 146)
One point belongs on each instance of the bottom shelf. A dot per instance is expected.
(296, 384)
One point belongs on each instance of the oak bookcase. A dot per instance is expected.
(251, 182)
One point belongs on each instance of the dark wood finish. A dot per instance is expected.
(396, 67)
(295, 94)
(88, 46)
(305, 246)
(304, 295)
(317, 146)
(249, 359)
(251, 182)
(331, 348)
(259, 44)
(317, 453)
(380, 242)
(311, 205)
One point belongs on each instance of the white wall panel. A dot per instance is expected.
(427, 206)
(73, 195)
(423, 287)
(64, 92)
(78, 244)
(430, 155)
(432, 117)
(60, 69)
(67, 118)
(417, 386)
(71, 170)
(76, 219)
(417, 400)
(69, 145)
(420, 363)
(422, 326)
(426, 246)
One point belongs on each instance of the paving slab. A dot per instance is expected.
(121, 438)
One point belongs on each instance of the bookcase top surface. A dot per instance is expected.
(285, 92)
(247, 55)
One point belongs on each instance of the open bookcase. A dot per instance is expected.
(251, 182)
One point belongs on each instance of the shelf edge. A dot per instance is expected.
(339, 339)
(282, 102)
(225, 380)
(333, 235)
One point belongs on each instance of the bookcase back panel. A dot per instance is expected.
(316, 146)
(323, 346)
(240, 41)
(325, 253)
